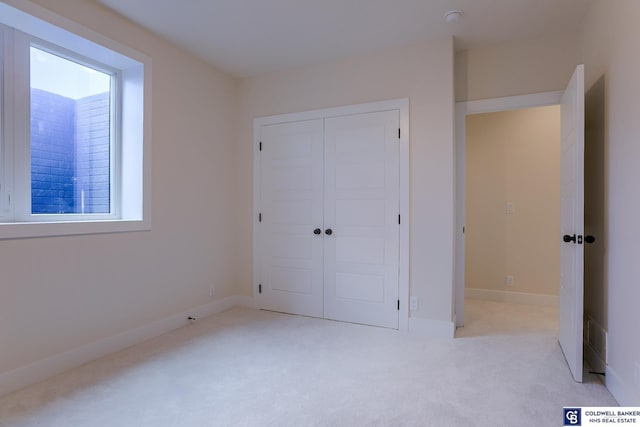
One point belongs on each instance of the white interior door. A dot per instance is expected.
(361, 200)
(572, 223)
(290, 253)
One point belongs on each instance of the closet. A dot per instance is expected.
(328, 217)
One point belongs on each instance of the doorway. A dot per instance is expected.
(464, 109)
(571, 293)
(512, 211)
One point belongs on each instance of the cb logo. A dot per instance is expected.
(572, 417)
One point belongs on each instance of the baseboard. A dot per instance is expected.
(514, 297)
(38, 371)
(431, 328)
(623, 392)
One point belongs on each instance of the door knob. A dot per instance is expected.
(567, 238)
(589, 239)
(328, 232)
(317, 231)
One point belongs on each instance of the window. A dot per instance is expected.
(74, 154)
(71, 147)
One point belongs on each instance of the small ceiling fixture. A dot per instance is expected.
(453, 16)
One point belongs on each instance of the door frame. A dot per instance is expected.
(400, 105)
(462, 110)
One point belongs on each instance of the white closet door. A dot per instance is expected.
(361, 197)
(291, 207)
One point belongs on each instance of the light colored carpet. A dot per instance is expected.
(486, 318)
(252, 368)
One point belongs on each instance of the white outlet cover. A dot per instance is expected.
(413, 303)
(509, 280)
(509, 208)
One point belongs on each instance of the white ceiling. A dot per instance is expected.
(251, 37)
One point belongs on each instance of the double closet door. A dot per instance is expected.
(328, 236)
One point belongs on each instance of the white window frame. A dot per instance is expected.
(130, 137)
(21, 206)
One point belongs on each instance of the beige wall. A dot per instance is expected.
(609, 38)
(60, 293)
(513, 156)
(424, 74)
(515, 68)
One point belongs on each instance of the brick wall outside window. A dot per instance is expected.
(70, 153)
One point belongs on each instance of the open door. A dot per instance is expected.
(572, 223)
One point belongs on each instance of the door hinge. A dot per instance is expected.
(260, 288)
(398, 133)
(398, 219)
(260, 217)
(580, 239)
(260, 145)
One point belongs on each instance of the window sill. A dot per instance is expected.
(25, 230)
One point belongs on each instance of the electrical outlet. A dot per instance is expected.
(509, 208)
(509, 281)
(212, 290)
(413, 303)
